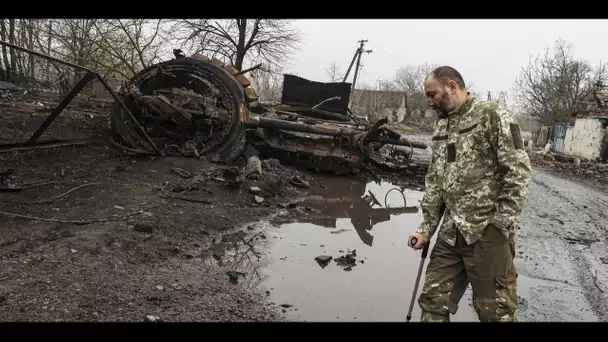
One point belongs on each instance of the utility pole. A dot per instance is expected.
(360, 51)
(356, 57)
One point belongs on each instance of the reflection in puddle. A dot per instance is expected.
(238, 254)
(341, 255)
(371, 274)
(363, 209)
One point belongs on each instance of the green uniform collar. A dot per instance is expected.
(463, 108)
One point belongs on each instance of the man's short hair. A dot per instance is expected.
(445, 73)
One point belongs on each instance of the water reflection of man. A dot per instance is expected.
(363, 217)
(346, 200)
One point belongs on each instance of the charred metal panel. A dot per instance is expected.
(298, 91)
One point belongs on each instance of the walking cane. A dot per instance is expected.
(425, 250)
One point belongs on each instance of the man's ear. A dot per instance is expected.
(452, 86)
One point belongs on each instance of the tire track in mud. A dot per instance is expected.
(585, 275)
(587, 204)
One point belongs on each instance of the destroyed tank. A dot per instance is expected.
(201, 107)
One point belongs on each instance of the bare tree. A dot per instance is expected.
(550, 88)
(268, 85)
(268, 41)
(6, 61)
(334, 73)
(128, 45)
(410, 80)
(19, 66)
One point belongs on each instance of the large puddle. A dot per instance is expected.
(364, 228)
(372, 271)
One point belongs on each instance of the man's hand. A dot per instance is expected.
(421, 241)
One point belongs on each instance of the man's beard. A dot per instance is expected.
(445, 105)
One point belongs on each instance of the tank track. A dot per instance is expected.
(201, 76)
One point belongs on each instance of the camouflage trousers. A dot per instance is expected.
(486, 264)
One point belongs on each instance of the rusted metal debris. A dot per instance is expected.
(209, 106)
(201, 107)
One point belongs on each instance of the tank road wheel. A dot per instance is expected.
(201, 100)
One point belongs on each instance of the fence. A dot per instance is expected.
(558, 136)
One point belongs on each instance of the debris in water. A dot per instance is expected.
(343, 230)
(347, 261)
(323, 260)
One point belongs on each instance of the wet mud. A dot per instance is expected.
(562, 248)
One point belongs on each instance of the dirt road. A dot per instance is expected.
(563, 244)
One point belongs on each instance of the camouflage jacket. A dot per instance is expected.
(479, 174)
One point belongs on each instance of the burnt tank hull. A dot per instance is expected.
(202, 107)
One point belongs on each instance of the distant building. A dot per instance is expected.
(377, 104)
(588, 138)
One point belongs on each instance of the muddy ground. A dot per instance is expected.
(99, 236)
(141, 256)
(202, 249)
(147, 255)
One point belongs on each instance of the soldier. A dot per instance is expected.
(478, 181)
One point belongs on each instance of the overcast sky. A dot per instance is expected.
(488, 53)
